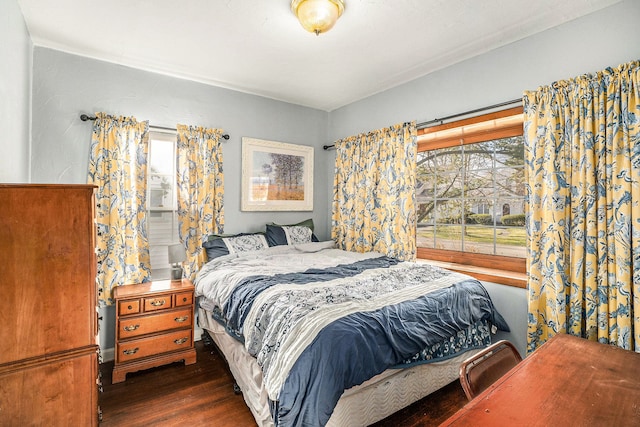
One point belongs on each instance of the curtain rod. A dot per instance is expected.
(423, 125)
(426, 124)
(84, 118)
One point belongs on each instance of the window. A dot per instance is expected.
(470, 191)
(162, 216)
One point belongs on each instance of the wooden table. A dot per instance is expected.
(568, 381)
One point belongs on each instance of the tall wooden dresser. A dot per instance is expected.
(48, 317)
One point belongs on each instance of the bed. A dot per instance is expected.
(318, 336)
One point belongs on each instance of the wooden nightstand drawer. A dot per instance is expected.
(159, 302)
(185, 298)
(128, 307)
(154, 345)
(129, 327)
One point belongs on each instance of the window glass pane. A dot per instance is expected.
(479, 156)
(448, 211)
(511, 206)
(426, 214)
(425, 177)
(425, 161)
(510, 151)
(425, 234)
(161, 191)
(479, 184)
(163, 231)
(449, 237)
(448, 224)
(511, 236)
(162, 227)
(449, 185)
(424, 189)
(479, 211)
(510, 182)
(479, 232)
(162, 159)
(447, 159)
(511, 241)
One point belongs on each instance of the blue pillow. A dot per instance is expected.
(215, 248)
(292, 234)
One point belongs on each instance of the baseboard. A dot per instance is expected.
(107, 354)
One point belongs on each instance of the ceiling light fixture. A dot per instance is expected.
(317, 16)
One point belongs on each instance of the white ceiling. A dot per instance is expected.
(258, 46)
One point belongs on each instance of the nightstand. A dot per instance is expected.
(154, 326)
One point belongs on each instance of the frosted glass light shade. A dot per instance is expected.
(317, 16)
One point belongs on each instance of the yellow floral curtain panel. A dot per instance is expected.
(374, 192)
(200, 190)
(582, 154)
(118, 167)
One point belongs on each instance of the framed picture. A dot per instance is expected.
(276, 176)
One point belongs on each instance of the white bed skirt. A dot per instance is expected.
(361, 405)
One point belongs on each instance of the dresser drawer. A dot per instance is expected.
(157, 302)
(185, 298)
(128, 307)
(129, 327)
(143, 347)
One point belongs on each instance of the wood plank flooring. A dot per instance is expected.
(202, 394)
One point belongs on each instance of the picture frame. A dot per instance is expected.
(276, 176)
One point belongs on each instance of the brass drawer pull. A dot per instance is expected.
(180, 341)
(131, 328)
(157, 302)
(181, 319)
(130, 352)
(184, 299)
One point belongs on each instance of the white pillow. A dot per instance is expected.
(248, 243)
(297, 234)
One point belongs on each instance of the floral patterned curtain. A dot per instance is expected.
(118, 166)
(200, 191)
(582, 154)
(374, 192)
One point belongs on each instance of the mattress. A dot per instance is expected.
(371, 401)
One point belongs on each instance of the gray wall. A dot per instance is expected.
(511, 302)
(66, 85)
(15, 80)
(605, 38)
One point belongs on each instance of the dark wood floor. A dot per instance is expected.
(202, 393)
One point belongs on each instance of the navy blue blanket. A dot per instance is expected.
(355, 348)
(241, 300)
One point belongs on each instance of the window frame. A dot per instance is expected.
(496, 125)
